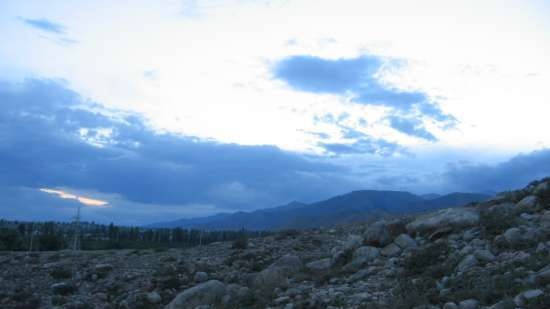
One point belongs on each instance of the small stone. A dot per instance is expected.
(154, 297)
(468, 304)
(513, 235)
(319, 265)
(484, 255)
(281, 300)
(467, 263)
(62, 288)
(405, 241)
(200, 277)
(532, 294)
(450, 305)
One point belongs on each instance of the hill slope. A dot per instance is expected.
(351, 207)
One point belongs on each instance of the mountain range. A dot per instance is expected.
(347, 208)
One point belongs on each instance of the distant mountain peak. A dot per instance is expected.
(345, 208)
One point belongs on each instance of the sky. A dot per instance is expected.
(146, 111)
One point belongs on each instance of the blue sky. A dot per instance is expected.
(144, 112)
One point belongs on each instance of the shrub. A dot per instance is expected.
(287, 234)
(60, 273)
(241, 242)
(429, 256)
(544, 198)
(497, 220)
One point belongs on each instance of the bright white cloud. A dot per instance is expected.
(203, 68)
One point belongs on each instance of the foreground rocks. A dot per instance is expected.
(493, 255)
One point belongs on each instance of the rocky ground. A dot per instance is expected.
(494, 255)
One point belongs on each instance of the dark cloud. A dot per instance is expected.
(356, 77)
(512, 174)
(411, 126)
(44, 25)
(51, 137)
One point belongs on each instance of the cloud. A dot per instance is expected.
(81, 199)
(45, 25)
(50, 137)
(512, 174)
(358, 79)
(411, 126)
(362, 146)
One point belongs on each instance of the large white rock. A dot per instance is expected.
(451, 217)
(207, 293)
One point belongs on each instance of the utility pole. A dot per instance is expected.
(76, 241)
(32, 236)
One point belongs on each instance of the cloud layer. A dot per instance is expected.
(53, 138)
(359, 79)
(45, 25)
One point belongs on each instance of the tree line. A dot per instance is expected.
(51, 236)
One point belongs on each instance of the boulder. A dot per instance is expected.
(451, 217)
(269, 279)
(319, 265)
(377, 234)
(405, 241)
(525, 297)
(353, 242)
(276, 275)
(545, 219)
(541, 187)
(364, 255)
(529, 202)
(543, 276)
(288, 264)
(390, 250)
(513, 235)
(339, 258)
(209, 293)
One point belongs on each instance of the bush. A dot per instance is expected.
(544, 198)
(9, 240)
(497, 220)
(60, 273)
(241, 242)
(50, 242)
(432, 255)
(408, 294)
(287, 234)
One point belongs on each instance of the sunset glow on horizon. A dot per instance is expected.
(83, 200)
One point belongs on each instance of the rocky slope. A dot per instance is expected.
(494, 254)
